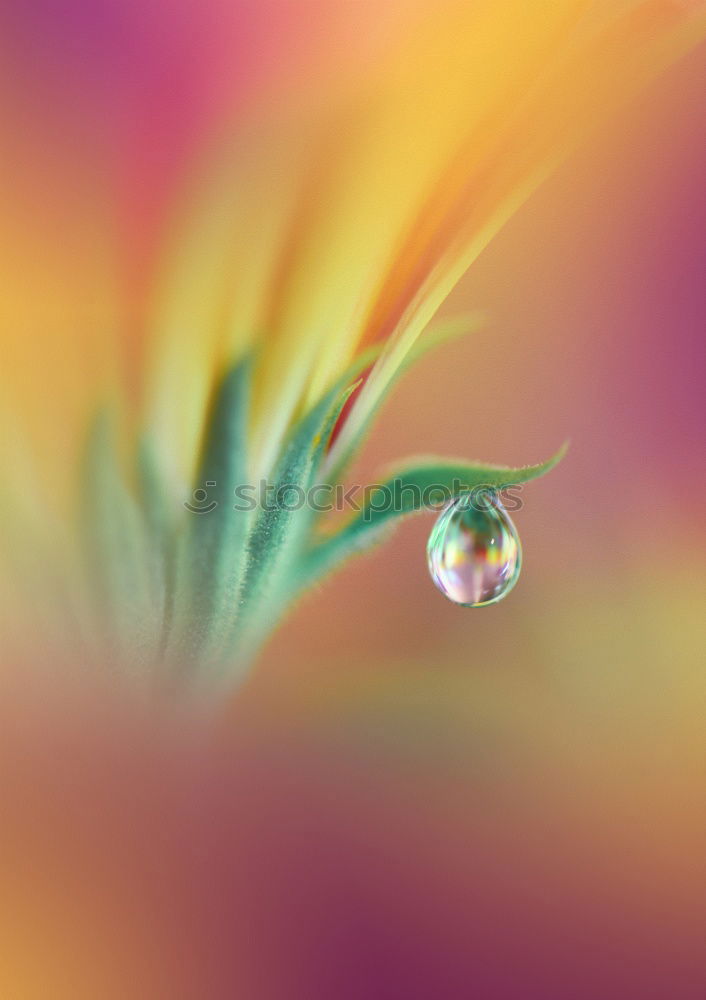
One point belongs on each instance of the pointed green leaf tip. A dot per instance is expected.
(411, 488)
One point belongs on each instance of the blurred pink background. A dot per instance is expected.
(410, 799)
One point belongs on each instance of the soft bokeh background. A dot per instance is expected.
(411, 799)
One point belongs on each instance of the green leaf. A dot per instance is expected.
(127, 594)
(409, 490)
(278, 531)
(233, 565)
(280, 535)
(159, 519)
(210, 559)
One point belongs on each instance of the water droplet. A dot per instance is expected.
(474, 551)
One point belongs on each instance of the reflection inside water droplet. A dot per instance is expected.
(474, 551)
